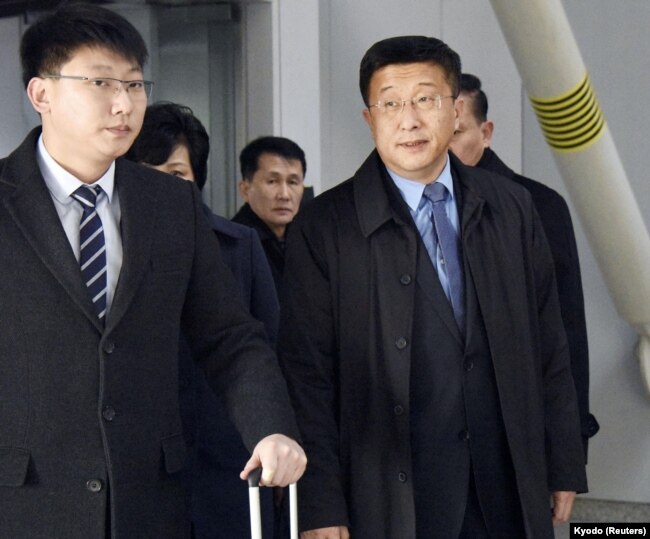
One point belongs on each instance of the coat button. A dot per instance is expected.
(405, 279)
(400, 343)
(94, 485)
(109, 347)
(398, 410)
(108, 414)
(468, 365)
(402, 477)
(463, 435)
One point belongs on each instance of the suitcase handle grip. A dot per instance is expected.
(254, 478)
(254, 499)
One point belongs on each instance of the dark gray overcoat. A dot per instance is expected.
(90, 415)
(345, 331)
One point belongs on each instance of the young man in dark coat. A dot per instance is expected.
(421, 336)
(471, 144)
(105, 262)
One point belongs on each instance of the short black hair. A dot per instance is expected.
(165, 126)
(285, 148)
(408, 50)
(471, 85)
(52, 40)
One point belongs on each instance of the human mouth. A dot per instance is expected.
(413, 145)
(120, 130)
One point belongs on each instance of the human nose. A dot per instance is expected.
(283, 191)
(122, 101)
(409, 115)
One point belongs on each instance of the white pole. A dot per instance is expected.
(256, 514)
(293, 510)
(549, 62)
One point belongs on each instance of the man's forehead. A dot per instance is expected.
(423, 73)
(272, 162)
(102, 58)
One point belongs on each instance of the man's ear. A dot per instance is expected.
(459, 106)
(368, 119)
(487, 127)
(243, 189)
(38, 95)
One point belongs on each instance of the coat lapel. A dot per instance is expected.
(138, 208)
(378, 200)
(32, 209)
(430, 287)
(471, 207)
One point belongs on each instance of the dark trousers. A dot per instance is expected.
(474, 523)
(510, 526)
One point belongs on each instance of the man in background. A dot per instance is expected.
(471, 143)
(273, 181)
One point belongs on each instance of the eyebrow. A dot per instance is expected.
(106, 67)
(428, 84)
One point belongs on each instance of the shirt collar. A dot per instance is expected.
(61, 183)
(411, 190)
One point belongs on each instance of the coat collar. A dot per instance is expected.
(246, 216)
(377, 199)
(30, 205)
(375, 196)
(491, 161)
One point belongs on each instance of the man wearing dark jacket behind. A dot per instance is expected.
(273, 181)
(471, 143)
(421, 336)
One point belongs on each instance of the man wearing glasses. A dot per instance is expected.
(103, 263)
(421, 337)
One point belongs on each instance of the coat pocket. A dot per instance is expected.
(174, 453)
(13, 466)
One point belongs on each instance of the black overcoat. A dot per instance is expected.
(558, 227)
(344, 338)
(89, 414)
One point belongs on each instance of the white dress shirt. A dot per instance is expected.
(61, 185)
(412, 193)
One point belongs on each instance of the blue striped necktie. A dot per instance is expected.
(449, 242)
(92, 251)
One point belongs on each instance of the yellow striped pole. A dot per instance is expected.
(572, 121)
(549, 62)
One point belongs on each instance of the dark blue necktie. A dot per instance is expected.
(445, 236)
(92, 247)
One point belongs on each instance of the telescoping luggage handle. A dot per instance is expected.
(256, 512)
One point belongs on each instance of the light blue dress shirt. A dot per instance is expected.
(61, 185)
(422, 214)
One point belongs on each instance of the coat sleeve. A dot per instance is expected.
(230, 345)
(309, 360)
(559, 229)
(564, 453)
